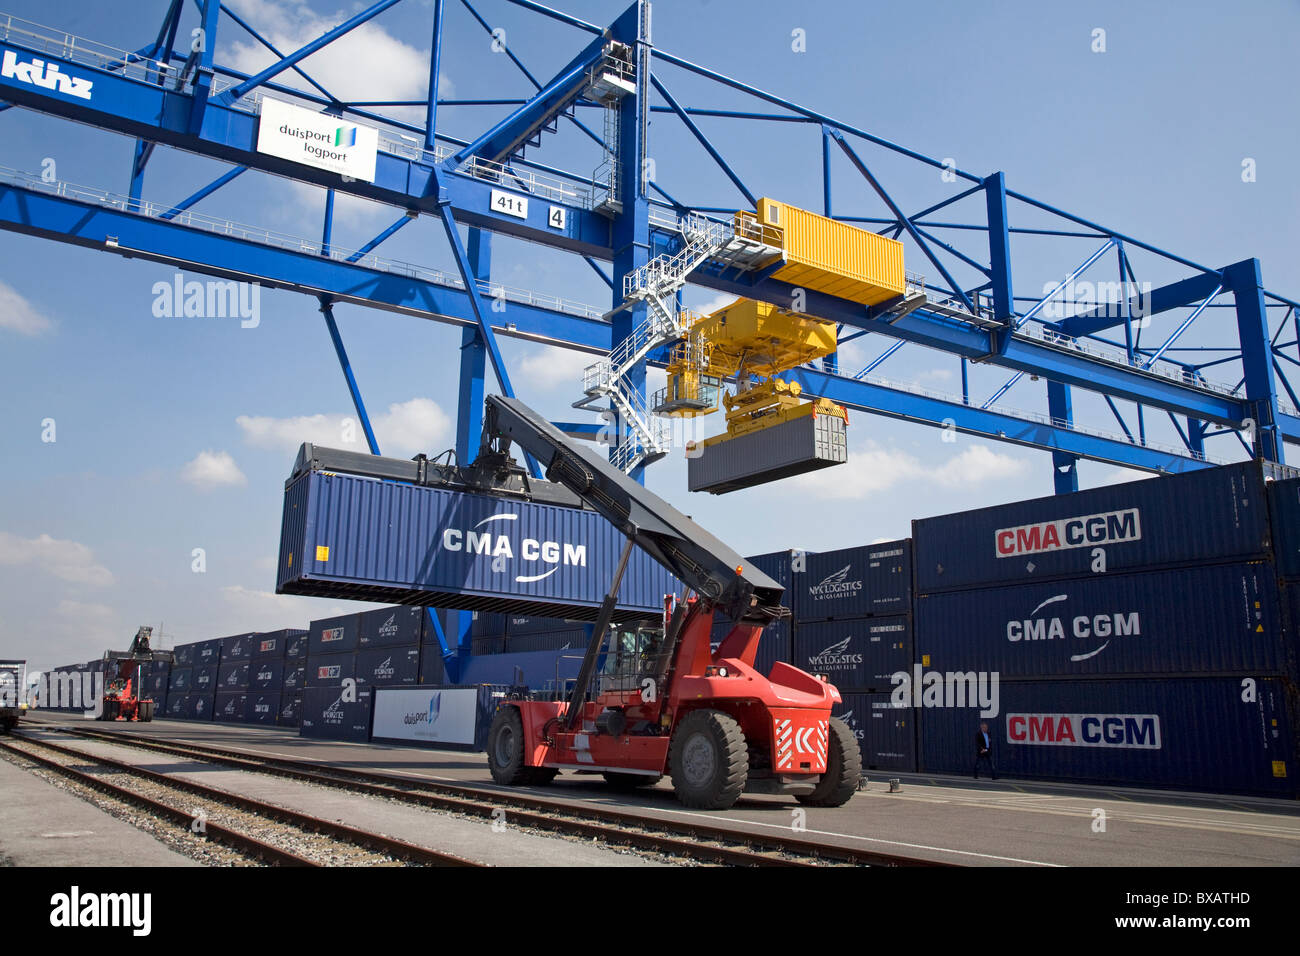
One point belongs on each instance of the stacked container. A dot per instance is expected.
(853, 623)
(1135, 632)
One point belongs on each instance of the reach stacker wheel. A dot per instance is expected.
(708, 760)
(843, 767)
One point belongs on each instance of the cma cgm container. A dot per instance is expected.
(275, 644)
(207, 653)
(360, 538)
(327, 714)
(857, 655)
(205, 679)
(266, 675)
(333, 635)
(886, 732)
(1209, 619)
(390, 627)
(384, 666)
(1217, 514)
(263, 708)
(330, 670)
(858, 582)
(1221, 734)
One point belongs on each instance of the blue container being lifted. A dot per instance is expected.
(345, 536)
(1213, 515)
(1220, 734)
(1202, 620)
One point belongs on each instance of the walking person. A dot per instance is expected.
(984, 752)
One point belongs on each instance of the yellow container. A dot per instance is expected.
(835, 257)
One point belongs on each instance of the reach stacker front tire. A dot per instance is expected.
(843, 768)
(505, 748)
(708, 760)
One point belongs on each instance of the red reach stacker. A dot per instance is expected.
(650, 702)
(123, 699)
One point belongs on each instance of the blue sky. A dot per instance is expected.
(175, 434)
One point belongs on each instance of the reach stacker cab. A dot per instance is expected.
(122, 698)
(665, 702)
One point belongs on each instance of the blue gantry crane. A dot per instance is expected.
(172, 91)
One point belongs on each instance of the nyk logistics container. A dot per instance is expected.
(858, 655)
(333, 714)
(230, 708)
(381, 666)
(1221, 734)
(1203, 620)
(237, 648)
(233, 676)
(390, 627)
(1213, 515)
(886, 731)
(855, 582)
(345, 536)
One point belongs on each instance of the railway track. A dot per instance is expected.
(376, 847)
(697, 840)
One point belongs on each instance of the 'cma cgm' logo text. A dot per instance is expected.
(1130, 731)
(1084, 627)
(835, 586)
(1107, 528)
(37, 72)
(500, 549)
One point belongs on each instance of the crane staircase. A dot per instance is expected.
(642, 437)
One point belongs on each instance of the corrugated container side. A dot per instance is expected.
(575, 638)
(1213, 515)
(860, 655)
(267, 675)
(488, 645)
(295, 647)
(432, 669)
(207, 653)
(482, 623)
(836, 257)
(1227, 735)
(183, 655)
(388, 666)
(330, 670)
(390, 627)
(1284, 509)
(539, 668)
(520, 624)
(233, 676)
(1202, 620)
(886, 733)
(263, 708)
(388, 541)
(200, 706)
(181, 680)
(334, 635)
(290, 710)
(275, 644)
(874, 579)
(176, 704)
(794, 447)
(325, 714)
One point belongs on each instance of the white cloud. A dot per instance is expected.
(368, 63)
(1117, 476)
(975, 464)
(875, 468)
(417, 425)
(553, 369)
(713, 305)
(19, 315)
(254, 610)
(66, 560)
(213, 469)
